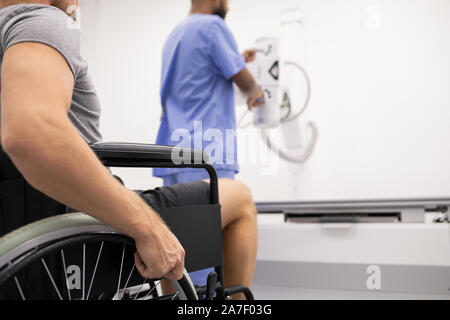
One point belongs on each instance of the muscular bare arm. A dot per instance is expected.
(37, 134)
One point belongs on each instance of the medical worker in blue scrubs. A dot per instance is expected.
(201, 60)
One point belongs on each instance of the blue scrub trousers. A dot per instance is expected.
(199, 277)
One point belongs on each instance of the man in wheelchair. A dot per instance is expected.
(50, 114)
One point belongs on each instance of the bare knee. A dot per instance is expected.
(237, 201)
(245, 200)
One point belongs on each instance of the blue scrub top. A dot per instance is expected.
(200, 57)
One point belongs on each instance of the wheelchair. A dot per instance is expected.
(73, 256)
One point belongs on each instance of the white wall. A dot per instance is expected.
(380, 74)
(380, 98)
(123, 41)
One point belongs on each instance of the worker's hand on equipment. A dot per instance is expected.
(256, 100)
(249, 55)
(160, 254)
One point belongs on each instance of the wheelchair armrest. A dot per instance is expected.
(135, 155)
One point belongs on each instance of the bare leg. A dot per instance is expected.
(240, 233)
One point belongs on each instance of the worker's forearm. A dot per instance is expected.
(55, 160)
(252, 90)
(246, 83)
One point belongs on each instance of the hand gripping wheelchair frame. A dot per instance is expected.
(75, 257)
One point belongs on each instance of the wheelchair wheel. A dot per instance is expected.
(75, 257)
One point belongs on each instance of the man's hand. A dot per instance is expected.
(249, 55)
(256, 99)
(160, 255)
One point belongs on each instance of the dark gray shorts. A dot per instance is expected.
(181, 195)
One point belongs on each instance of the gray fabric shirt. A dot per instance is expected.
(51, 26)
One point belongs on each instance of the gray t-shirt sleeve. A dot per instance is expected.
(52, 27)
(49, 26)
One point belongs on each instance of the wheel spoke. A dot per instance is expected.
(176, 295)
(84, 272)
(51, 279)
(154, 288)
(19, 288)
(120, 272)
(128, 280)
(142, 286)
(65, 274)
(95, 270)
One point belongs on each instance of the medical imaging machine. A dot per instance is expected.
(379, 249)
